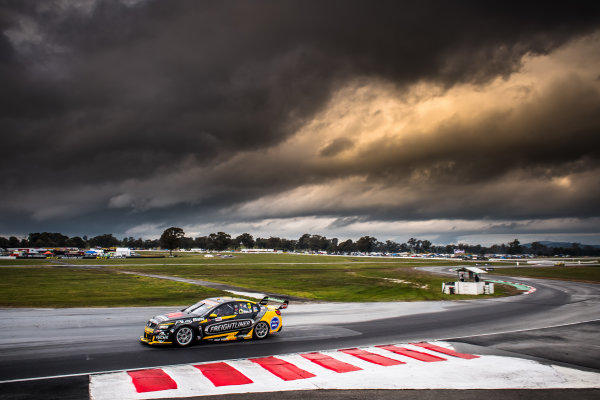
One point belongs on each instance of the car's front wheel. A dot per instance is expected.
(261, 330)
(184, 336)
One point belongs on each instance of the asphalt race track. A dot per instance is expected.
(557, 323)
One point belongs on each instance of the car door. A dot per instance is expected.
(217, 316)
(226, 319)
(246, 313)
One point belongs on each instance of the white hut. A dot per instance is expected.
(468, 282)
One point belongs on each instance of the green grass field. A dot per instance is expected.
(48, 284)
(333, 281)
(67, 287)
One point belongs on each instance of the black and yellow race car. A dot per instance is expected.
(216, 319)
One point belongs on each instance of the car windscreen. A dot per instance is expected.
(199, 308)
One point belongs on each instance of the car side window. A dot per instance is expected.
(224, 310)
(244, 307)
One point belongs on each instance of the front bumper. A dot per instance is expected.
(155, 337)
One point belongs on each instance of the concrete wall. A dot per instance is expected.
(472, 287)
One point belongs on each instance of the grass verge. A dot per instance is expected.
(322, 278)
(336, 280)
(64, 287)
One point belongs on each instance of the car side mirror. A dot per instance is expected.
(213, 316)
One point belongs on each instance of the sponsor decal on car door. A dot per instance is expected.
(228, 326)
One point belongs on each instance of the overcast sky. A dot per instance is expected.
(443, 120)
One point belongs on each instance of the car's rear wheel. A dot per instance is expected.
(261, 330)
(184, 336)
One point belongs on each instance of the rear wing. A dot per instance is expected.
(267, 299)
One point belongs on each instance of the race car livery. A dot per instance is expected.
(216, 319)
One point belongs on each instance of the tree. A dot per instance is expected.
(412, 243)
(261, 243)
(366, 244)
(274, 243)
(76, 241)
(304, 242)
(47, 239)
(151, 244)
(426, 245)
(219, 241)
(391, 246)
(538, 248)
(347, 247)
(170, 238)
(13, 241)
(246, 240)
(186, 243)
(288, 245)
(332, 246)
(201, 242)
(514, 247)
(106, 240)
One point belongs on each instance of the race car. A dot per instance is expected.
(216, 319)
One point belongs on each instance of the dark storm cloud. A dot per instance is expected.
(100, 96)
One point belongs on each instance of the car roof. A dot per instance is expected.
(226, 299)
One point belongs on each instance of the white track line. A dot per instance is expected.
(520, 330)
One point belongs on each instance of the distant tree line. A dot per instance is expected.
(48, 239)
(174, 238)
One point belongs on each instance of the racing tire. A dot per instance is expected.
(261, 330)
(184, 336)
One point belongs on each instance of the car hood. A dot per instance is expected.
(174, 316)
